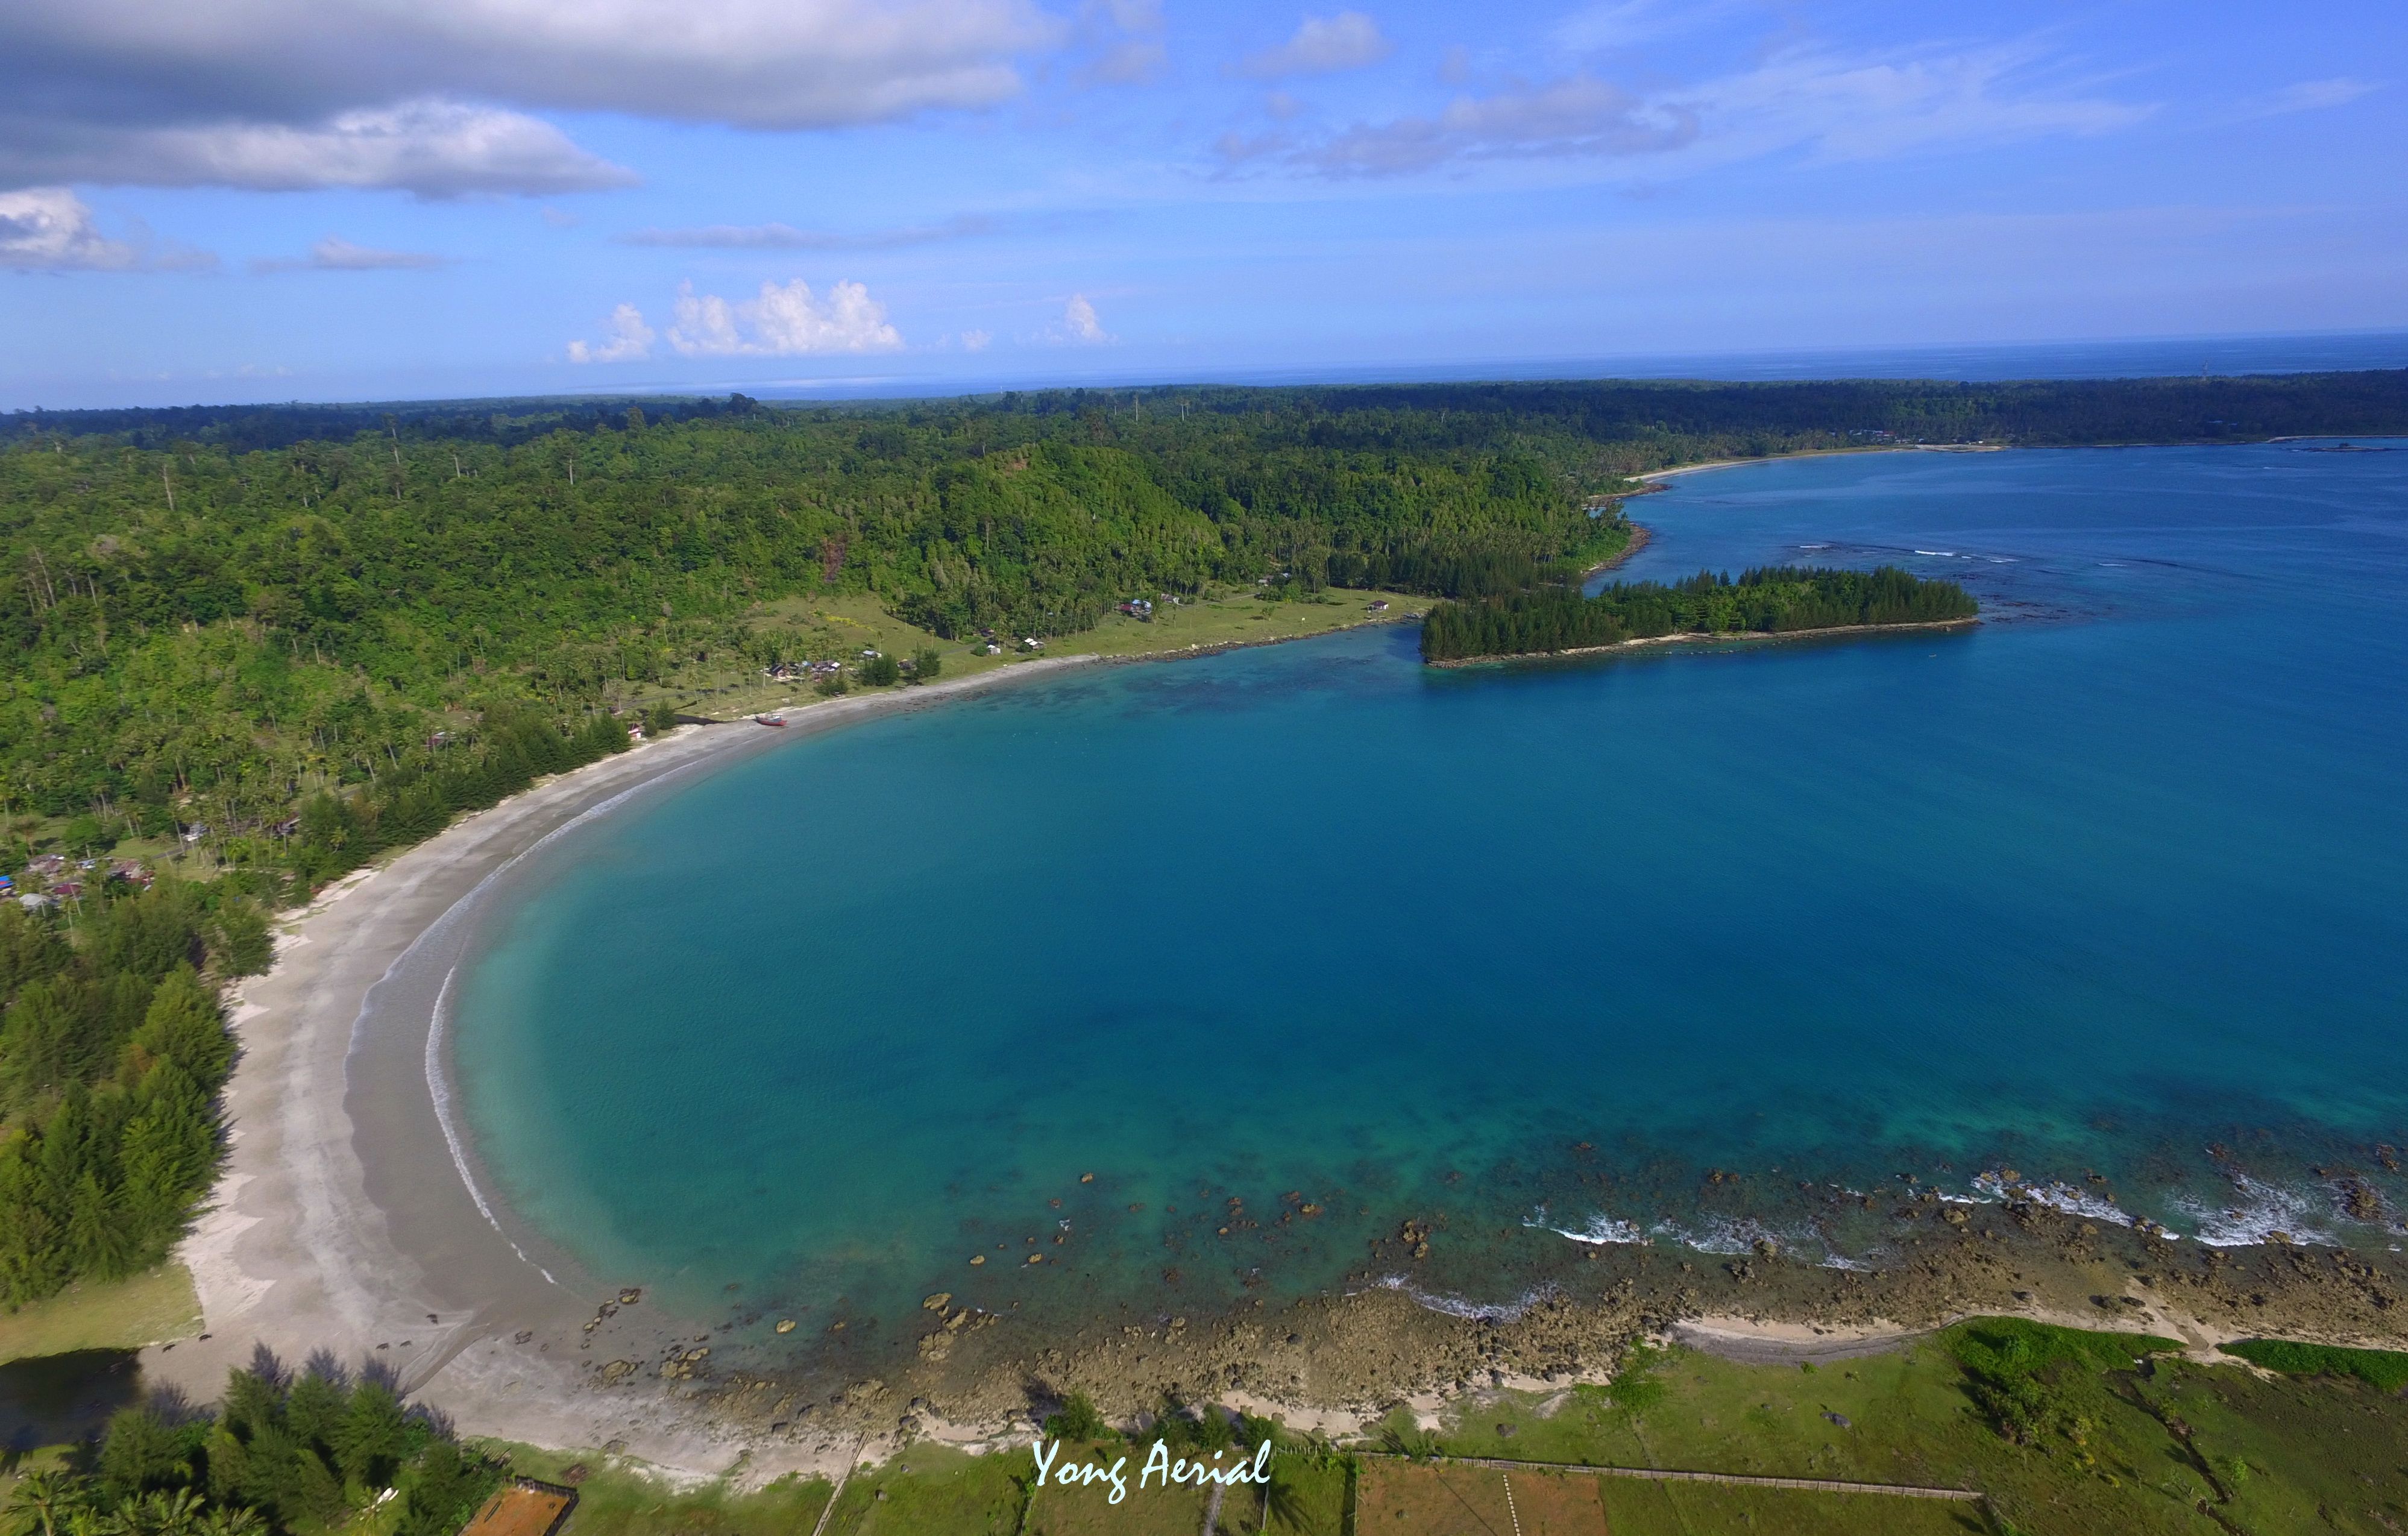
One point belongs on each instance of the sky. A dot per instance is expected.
(227, 200)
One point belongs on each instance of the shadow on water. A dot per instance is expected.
(61, 1398)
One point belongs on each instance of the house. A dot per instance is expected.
(36, 903)
(67, 887)
(195, 832)
(1380, 606)
(47, 866)
(1138, 608)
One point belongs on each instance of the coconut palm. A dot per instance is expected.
(45, 1503)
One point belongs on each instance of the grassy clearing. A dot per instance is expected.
(943, 1493)
(612, 1501)
(2385, 1370)
(148, 1309)
(2067, 1431)
(725, 689)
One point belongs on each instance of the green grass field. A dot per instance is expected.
(724, 690)
(148, 1309)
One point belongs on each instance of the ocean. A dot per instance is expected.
(1185, 981)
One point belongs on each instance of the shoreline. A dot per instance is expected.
(1692, 636)
(326, 1242)
(344, 1218)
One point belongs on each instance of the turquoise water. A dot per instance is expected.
(2110, 882)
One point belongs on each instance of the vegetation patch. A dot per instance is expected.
(2385, 1370)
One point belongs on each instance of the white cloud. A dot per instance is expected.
(786, 321)
(1080, 325)
(434, 148)
(275, 93)
(48, 229)
(1801, 100)
(630, 339)
(780, 237)
(976, 341)
(2313, 96)
(1324, 44)
(336, 254)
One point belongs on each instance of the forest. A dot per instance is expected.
(314, 1450)
(112, 1050)
(1770, 600)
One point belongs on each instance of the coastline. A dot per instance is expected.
(1358, 1352)
(1691, 637)
(342, 1219)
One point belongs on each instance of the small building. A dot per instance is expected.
(35, 903)
(48, 864)
(1380, 606)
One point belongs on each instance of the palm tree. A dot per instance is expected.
(169, 1513)
(45, 1503)
(226, 1520)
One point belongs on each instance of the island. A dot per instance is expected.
(1556, 620)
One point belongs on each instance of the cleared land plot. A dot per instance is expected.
(1400, 1498)
(614, 1500)
(1635, 1507)
(518, 1509)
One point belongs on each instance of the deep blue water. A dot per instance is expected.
(2110, 881)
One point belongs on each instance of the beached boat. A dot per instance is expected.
(768, 719)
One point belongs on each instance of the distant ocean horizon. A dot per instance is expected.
(2139, 357)
(2148, 357)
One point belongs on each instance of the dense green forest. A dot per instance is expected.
(281, 1452)
(112, 1051)
(1779, 599)
(211, 615)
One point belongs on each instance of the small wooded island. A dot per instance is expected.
(1770, 600)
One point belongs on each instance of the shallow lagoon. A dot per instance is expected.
(1531, 950)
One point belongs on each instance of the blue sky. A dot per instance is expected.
(269, 199)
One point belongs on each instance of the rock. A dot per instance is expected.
(938, 1302)
(1086, 1177)
(1840, 1419)
(785, 1325)
(978, 1258)
(632, 1295)
(1037, 1259)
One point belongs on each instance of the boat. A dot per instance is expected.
(768, 719)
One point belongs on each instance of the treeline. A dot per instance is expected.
(112, 1051)
(333, 833)
(280, 1453)
(1771, 600)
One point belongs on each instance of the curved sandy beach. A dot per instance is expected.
(343, 1220)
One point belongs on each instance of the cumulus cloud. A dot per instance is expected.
(434, 148)
(49, 229)
(1801, 100)
(1324, 44)
(784, 321)
(1079, 326)
(778, 236)
(278, 92)
(629, 340)
(336, 254)
(977, 342)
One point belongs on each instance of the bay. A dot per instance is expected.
(2110, 885)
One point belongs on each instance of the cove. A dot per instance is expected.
(1288, 946)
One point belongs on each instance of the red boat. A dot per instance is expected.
(768, 719)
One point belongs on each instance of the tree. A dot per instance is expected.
(926, 664)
